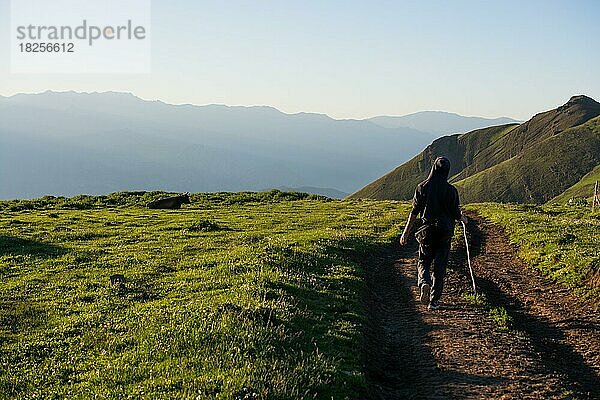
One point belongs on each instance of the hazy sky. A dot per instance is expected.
(355, 59)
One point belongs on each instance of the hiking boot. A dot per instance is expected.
(425, 290)
(434, 305)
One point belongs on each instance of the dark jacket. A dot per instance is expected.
(437, 200)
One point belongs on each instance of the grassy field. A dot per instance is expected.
(562, 241)
(240, 296)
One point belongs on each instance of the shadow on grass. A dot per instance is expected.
(325, 287)
(17, 315)
(15, 246)
(20, 315)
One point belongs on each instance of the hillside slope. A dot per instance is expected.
(481, 155)
(541, 171)
(576, 111)
(460, 149)
(583, 189)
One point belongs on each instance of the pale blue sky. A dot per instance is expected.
(355, 59)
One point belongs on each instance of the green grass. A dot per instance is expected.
(500, 316)
(479, 300)
(240, 296)
(563, 242)
(140, 199)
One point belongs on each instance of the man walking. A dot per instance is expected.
(437, 202)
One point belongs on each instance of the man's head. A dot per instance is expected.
(440, 168)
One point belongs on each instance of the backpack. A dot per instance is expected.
(432, 232)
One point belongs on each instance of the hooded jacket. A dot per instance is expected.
(437, 200)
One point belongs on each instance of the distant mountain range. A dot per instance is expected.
(440, 122)
(67, 143)
(555, 152)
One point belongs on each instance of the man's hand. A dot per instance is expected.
(411, 221)
(403, 239)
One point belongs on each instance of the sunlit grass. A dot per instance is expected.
(561, 241)
(236, 297)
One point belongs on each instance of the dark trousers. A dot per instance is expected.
(434, 249)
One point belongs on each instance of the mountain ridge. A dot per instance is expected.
(494, 155)
(130, 95)
(440, 122)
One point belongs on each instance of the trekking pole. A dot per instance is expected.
(469, 257)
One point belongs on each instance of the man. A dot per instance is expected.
(438, 203)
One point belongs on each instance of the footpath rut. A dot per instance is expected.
(550, 351)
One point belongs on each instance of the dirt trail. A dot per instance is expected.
(552, 351)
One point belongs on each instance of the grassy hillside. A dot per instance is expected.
(584, 189)
(238, 296)
(499, 163)
(540, 172)
(460, 149)
(560, 241)
(576, 111)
